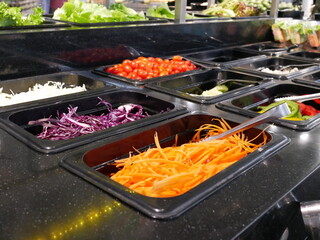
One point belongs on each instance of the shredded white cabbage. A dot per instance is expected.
(37, 92)
(280, 72)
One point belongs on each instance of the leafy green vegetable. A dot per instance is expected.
(219, 11)
(163, 11)
(12, 16)
(35, 18)
(231, 8)
(81, 12)
(222, 88)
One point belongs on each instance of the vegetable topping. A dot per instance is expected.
(231, 8)
(81, 12)
(144, 68)
(71, 125)
(217, 90)
(299, 111)
(163, 11)
(172, 171)
(12, 16)
(37, 92)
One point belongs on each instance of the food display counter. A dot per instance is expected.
(61, 189)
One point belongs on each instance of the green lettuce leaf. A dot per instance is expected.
(81, 12)
(12, 16)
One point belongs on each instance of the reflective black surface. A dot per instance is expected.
(41, 200)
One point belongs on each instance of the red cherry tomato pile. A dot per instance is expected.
(144, 68)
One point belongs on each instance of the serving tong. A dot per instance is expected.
(300, 98)
(282, 68)
(276, 112)
(287, 49)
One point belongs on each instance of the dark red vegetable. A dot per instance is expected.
(317, 100)
(307, 110)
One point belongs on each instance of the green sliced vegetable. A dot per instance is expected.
(293, 106)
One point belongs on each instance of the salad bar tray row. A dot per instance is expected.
(244, 92)
(118, 127)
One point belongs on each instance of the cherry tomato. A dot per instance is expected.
(151, 59)
(126, 62)
(122, 74)
(127, 68)
(134, 64)
(144, 59)
(163, 73)
(149, 67)
(142, 73)
(177, 58)
(142, 65)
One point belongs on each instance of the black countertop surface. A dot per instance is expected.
(41, 200)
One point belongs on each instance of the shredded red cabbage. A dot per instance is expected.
(71, 125)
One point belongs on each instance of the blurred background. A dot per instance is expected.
(49, 6)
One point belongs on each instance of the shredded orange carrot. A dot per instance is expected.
(172, 171)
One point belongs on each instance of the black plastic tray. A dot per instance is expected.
(269, 48)
(46, 24)
(200, 18)
(70, 79)
(17, 67)
(276, 62)
(250, 17)
(304, 55)
(291, 14)
(94, 56)
(177, 44)
(312, 79)
(16, 122)
(101, 71)
(95, 164)
(206, 16)
(191, 87)
(149, 21)
(247, 104)
(224, 57)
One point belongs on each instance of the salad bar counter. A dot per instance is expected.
(102, 132)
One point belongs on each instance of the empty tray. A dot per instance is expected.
(304, 55)
(80, 57)
(269, 48)
(224, 57)
(17, 67)
(312, 79)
